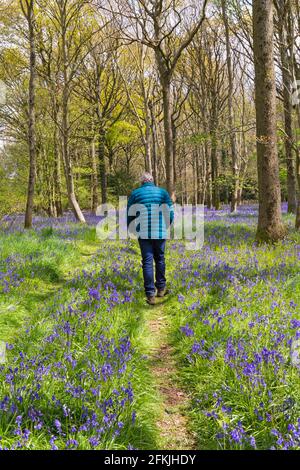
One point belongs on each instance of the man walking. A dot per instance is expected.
(150, 212)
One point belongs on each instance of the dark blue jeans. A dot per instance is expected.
(153, 249)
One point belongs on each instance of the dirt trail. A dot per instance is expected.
(173, 423)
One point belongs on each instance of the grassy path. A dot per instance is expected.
(172, 420)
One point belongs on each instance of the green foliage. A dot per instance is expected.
(122, 133)
(12, 197)
(283, 181)
(197, 139)
(121, 184)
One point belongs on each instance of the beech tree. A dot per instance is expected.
(139, 83)
(283, 9)
(101, 87)
(157, 24)
(234, 156)
(270, 227)
(294, 55)
(28, 7)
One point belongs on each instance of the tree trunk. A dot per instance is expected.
(287, 90)
(154, 144)
(215, 171)
(31, 114)
(67, 159)
(94, 179)
(289, 156)
(57, 175)
(297, 222)
(168, 135)
(203, 171)
(198, 178)
(148, 161)
(184, 189)
(244, 151)
(294, 66)
(174, 137)
(234, 155)
(208, 177)
(270, 227)
(48, 183)
(194, 178)
(102, 165)
(243, 167)
(147, 142)
(65, 121)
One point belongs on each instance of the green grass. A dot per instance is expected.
(235, 291)
(230, 291)
(48, 265)
(44, 262)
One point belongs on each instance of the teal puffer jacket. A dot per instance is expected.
(152, 211)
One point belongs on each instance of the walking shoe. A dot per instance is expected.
(151, 300)
(162, 292)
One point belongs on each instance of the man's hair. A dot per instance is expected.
(146, 178)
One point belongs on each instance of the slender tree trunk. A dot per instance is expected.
(203, 170)
(29, 13)
(154, 144)
(174, 137)
(65, 121)
(110, 155)
(234, 154)
(295, 68)
(297, 222)
(244, 151)
(287, 90)
(94, 179)
(208, 177)
(147, 141)
(148, 161)
(184, 191)
(155, 160)
(168, 135)
(243, 171)
(270, 227)
(289, 156)
(207, 181)
(194, 180)
(57, 174)
(198, 178)
(102, 164)
(215, 171)
(67, 159)
(214, 153)
(51, 209)
(128, 164)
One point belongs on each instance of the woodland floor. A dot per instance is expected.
(208, 367)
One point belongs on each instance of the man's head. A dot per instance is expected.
(146, 178)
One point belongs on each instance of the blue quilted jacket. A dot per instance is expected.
(155, 214)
